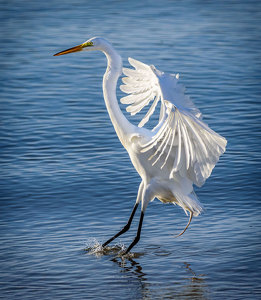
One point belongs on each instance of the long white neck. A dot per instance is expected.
(114, 69)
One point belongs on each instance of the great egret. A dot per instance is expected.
(181, 150)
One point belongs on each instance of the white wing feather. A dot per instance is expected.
(142, 85)
(182, 142)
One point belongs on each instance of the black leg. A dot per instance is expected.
(137, 238)
(125, 228)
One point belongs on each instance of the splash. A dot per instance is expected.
(93, 247)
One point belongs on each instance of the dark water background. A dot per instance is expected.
(67, 183)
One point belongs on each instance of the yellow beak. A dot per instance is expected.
(71, 50)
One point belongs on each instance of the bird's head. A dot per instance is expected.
(95, 43)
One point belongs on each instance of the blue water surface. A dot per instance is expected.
(66, 182)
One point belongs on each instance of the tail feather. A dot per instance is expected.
(189, 203)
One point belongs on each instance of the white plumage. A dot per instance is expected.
(181, 145)
(181, 150)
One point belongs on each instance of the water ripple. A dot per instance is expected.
(66, 182)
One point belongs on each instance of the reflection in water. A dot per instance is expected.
(197, 286)
(193, 286)
(189, 285)
(130, 266)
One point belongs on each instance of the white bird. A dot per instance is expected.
(179, 152)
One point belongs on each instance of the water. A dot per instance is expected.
(66, 182)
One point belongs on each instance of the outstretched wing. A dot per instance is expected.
(182, 142)
(186, 145)
(142, 86)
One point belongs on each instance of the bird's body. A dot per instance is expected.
(178, 152)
